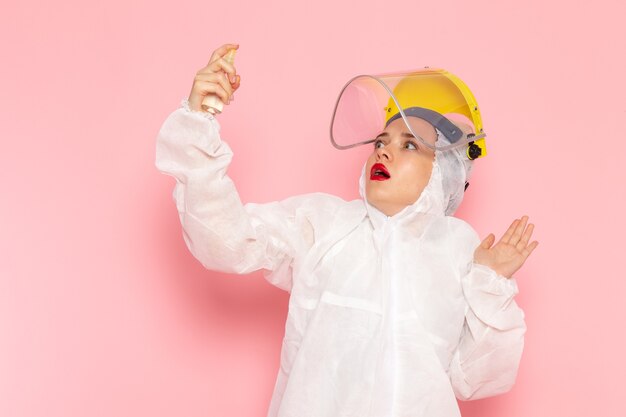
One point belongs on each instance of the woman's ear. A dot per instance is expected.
(467, 129)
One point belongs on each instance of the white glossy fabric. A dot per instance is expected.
(388, 316)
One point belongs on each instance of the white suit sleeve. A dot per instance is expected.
(486, 360)
(221, 232)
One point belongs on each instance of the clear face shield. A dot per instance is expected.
(367, 104)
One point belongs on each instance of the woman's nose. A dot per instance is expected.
(383, 153)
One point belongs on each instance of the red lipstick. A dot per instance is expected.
(379, 172)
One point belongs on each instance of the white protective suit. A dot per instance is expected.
(388, 316)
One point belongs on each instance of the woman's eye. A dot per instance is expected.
(409, 144)
(378, 143)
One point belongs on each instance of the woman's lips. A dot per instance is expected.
(379, 173)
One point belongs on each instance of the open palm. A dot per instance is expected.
(510, 253)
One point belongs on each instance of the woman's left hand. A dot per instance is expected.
(510, 253)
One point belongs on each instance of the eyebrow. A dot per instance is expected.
(404, 135)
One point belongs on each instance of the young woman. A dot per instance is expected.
(396, 307)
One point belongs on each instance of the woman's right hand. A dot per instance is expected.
(218, 77)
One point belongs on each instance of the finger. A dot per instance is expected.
(222, 65)
(525, 237)
(507, 235)
(235, 86)
(206, 88)
(488, 241)
(216, 77)
(517, 234)
(529, 249)
(221, 51)
(237, 82)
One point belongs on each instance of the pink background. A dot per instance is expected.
(104, 312)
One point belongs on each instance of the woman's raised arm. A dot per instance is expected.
(486, 360)
(221, 232)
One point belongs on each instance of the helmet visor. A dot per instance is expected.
(367, 104)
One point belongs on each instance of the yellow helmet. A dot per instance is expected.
(442, 92)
